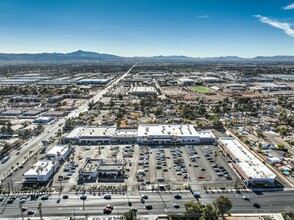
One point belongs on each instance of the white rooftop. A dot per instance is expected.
(98, 131)
(142, 89)
(62, 149)
(44, 118)
(251, 166)
(76, 132)
(126, 132)
(91, 131)
(167, 130)
(41, 167)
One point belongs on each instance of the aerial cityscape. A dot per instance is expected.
(146, 110)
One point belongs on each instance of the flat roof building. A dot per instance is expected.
(93, 81)
(143, 90)
(145, 133)
(105, 171)
(43, 120)
(58, 152)
(250, 168)
(171, 133)
(40, 172)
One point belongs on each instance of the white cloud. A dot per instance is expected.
(203, 16)
(289, 7)
(286, 27)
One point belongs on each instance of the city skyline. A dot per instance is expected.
(149, 28)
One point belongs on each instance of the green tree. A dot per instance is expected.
(223, 204)
(209, 213)
(283, 130)
(193, 210)
(130, 215)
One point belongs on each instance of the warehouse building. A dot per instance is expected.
(237, 87)
(143, 90)
(24, 99)
(43, 120)
(93, 81)
(186, 81)
(251, 169)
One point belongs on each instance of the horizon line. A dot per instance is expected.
(138, 56)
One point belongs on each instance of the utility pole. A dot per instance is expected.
(21, 212)
(40, 211)
(11, 184)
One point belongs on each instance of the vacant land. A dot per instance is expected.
(201, 89)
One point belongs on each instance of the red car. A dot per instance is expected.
(107, 211)
(201, 177)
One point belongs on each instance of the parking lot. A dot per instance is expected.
(172, 167)
(68, 174)
(146, 168)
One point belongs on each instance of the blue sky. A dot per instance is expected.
(195, 28)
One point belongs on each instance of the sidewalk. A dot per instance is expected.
(276, 216)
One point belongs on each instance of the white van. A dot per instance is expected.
(141, 172)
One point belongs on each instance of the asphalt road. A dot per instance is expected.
(35, 143)
(270, 202)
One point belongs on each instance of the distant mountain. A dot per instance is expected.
(77, 56)
(90, 57)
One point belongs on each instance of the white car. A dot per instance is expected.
(197, 194)
(245, 197)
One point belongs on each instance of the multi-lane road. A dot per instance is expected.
(270, 202)
(33, 144)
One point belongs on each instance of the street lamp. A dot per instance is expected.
(83, 197)
(40, 211)
(21, 212)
